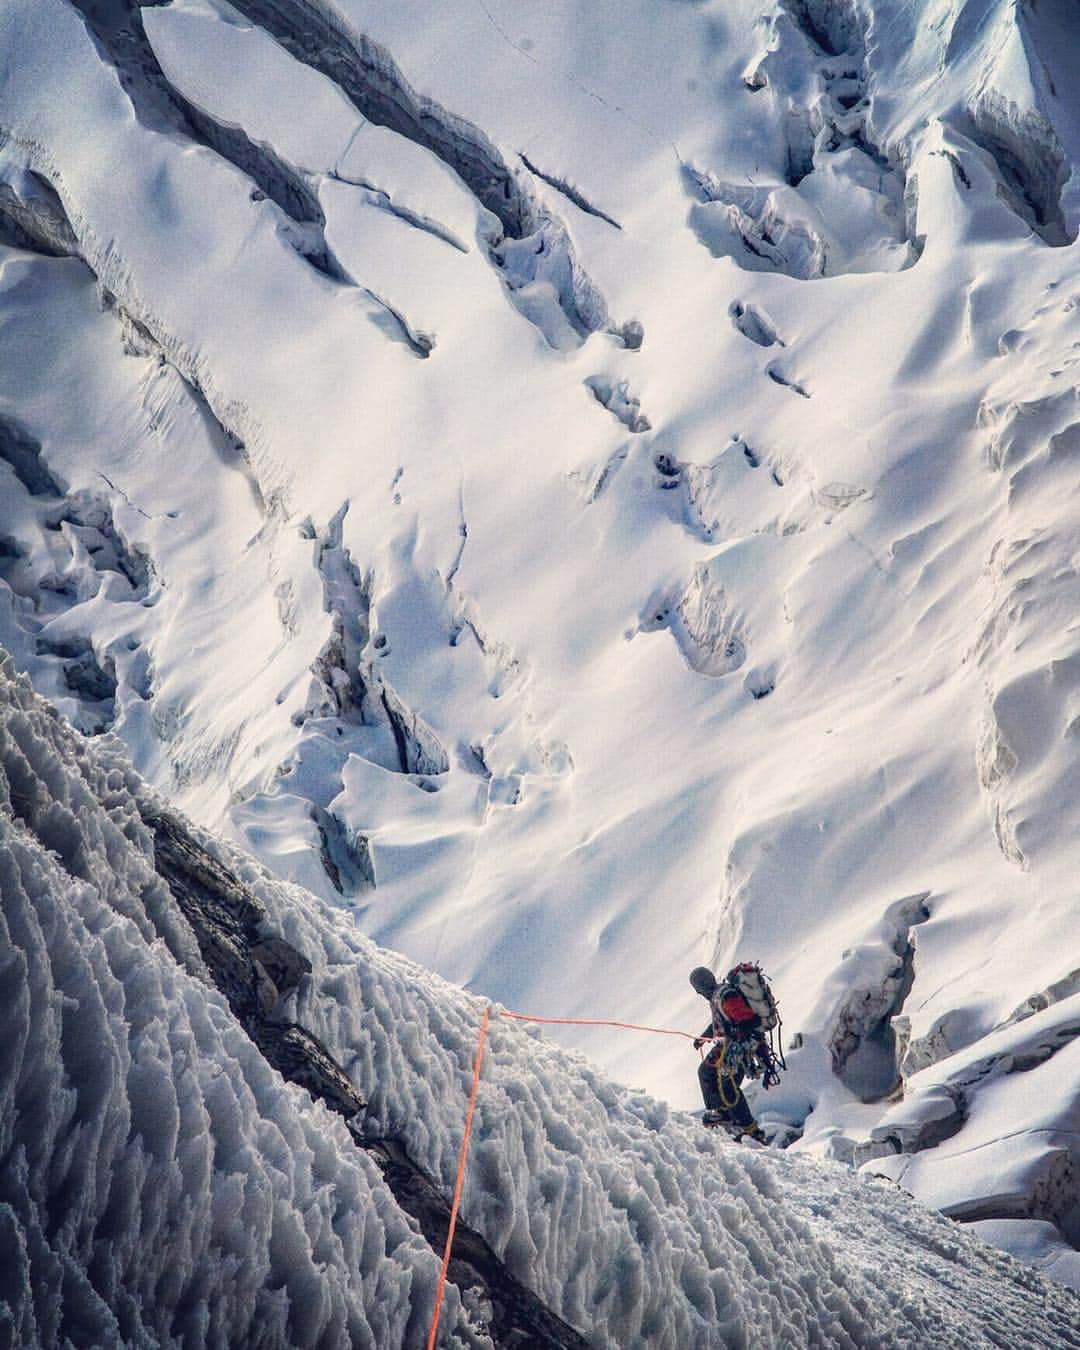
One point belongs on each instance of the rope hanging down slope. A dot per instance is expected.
(478, 1062)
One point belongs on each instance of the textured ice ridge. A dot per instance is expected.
(161, 1182)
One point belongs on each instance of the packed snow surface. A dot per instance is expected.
(590, 489)
(162, 1185)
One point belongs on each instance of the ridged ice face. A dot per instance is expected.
(589, 489)
(228, 1118)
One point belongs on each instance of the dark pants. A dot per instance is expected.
(721, 1091)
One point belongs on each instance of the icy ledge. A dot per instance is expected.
(162, 1184)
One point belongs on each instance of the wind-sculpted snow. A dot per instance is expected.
(842, 203)
(528, 243)
(589, 489)
(31, 214)
(161, 1184)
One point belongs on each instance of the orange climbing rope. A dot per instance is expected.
(477, 1065)
(600, 1022)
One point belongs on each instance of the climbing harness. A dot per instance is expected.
(730, 1076)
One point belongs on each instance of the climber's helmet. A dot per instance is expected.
(703, 981)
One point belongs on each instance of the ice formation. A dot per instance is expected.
(162, 1184)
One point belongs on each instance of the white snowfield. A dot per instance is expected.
(589, 488)
(161, 1185)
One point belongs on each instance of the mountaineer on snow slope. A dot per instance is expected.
(744, 1014)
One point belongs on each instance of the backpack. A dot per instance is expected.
(745, 1001)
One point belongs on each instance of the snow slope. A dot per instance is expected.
(591, 488)
(163, 1185)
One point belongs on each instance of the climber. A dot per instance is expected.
(743, 1011)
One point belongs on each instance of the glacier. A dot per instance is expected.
(582, 491)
